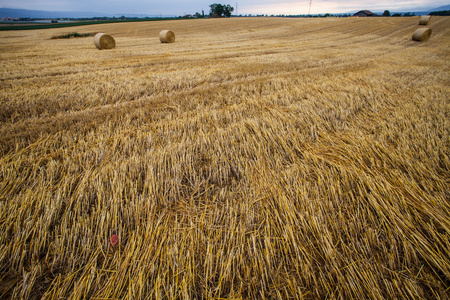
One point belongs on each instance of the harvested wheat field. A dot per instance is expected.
(255, 158)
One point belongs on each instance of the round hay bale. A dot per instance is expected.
(424, 20)
(422, 34)
(104, 41)
(167, 36)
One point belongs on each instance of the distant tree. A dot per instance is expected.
(216, 9)
(397, 15)
(386, 13)
(440, 13)
(221, 10)
(228, 10)
(122, 17)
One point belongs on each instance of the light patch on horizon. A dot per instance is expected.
(333, 6)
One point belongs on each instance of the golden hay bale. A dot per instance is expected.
(424, 20)
(104, 41)
(422, 34)
(167, 36)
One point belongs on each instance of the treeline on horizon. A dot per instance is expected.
(99, 20)
(440, 13)
(197, 16)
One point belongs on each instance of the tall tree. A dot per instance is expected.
(221, 10)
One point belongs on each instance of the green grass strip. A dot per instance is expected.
(80, 23)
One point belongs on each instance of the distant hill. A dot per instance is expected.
(25, 13)
(41, 14)
(417, 11)
(427, 11)
(445, 7)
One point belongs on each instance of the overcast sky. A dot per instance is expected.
(178, 7)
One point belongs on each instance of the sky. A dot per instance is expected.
(178, 7)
